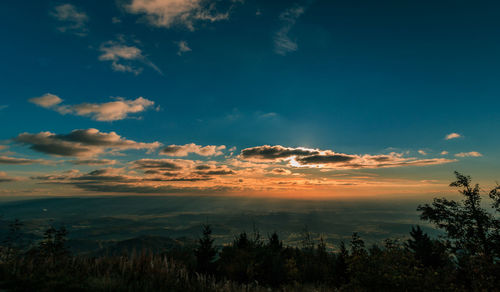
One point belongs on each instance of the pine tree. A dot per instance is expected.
(206, 252)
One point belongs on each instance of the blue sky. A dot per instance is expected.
(351, 77)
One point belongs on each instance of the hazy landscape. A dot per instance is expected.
(96, 222)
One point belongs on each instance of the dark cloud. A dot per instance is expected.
(93, 162)
(216, 172)
(159, 164)
(326, 159)
(304, 157)
(88, 142)
(277, 152)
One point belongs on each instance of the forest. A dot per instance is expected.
(465, 257)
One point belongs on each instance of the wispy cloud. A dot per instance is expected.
(72, 20)
(93, 162)
(6, 178)
(168, 13)
(124, 57)
(452, 136)
(469, 154)
(422, 152)
(283, 43)
(183, 48)
(23, 161)
(118, 109)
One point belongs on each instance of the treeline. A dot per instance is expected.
(465, 258)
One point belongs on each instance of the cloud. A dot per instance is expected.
(316, 158)
(184, 150)
(281, 171)
(167, 13)
(5, 178)
(124, 58)
(422, 152)
(183, 48)
(213, 170)
(444, 152)
(283, 44)
(22, 161)
(71, 18)
(469, 154)
(48, 100)
(93, 162)
(162, 164)
(278, 152)
(325, 158)
(118, 180)
(118, 109)
(81, 143)
(452, 136)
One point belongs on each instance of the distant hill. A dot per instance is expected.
(153, 244)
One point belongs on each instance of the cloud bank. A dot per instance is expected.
(316, 158)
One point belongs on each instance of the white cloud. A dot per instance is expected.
(422, 152)
(452, 136)
(184, 150)
(469, 154)
(183, 48)
(71, 18)
(124, 58)
(444, 152)
(118, 109)
(283, 44)
(167, 13)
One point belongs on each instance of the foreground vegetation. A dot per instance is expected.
(465, 258)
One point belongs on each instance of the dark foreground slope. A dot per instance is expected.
(464, 258)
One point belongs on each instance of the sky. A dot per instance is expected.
(299, 99)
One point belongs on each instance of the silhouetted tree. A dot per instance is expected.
(12, 243)
(54, 242)
(206, 252)
(357, 244)
(469, 228)
(275, 244)
(341, 267)
(428, 252)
